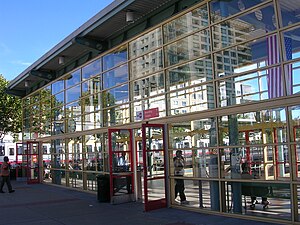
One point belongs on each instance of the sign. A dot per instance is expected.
(139, 115)
(151, 113)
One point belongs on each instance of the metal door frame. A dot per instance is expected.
(158, 203)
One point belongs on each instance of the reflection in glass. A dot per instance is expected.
(57, 86)
(145, 43)
(242, 28)
(116, 76)
(116, 115)
(73, 109)
(187, 48)
(150, 63)
(91, 69)
(73, 78)
(150, 103)
(58, 99)
(192, 73)
(149, 86)
(115, 96)
(197, 133)
(189, 22)
(92, 120)
(288, 12)
(243, 89)
(115, 58)
(73, 94)
(223, 9)
(91, 86)
(192, 100)
(91, 103)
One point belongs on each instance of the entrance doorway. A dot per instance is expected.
(27, 158)
(154, 159)
(121, 165)
(137, 172)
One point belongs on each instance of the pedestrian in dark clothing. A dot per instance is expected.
(179, 172)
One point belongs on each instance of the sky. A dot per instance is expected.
(30, 28)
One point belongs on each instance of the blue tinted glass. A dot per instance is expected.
(223, 9)
(57, 86)
(73, 78)
(91, 69)
(115, 77)
(73, 94)
(115, 58)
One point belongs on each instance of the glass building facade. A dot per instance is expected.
(224, 78)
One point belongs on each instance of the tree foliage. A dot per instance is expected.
(11, 110)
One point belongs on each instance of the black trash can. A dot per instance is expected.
(103, 192)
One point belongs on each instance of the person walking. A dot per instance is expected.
(5, 174)
(179, 172)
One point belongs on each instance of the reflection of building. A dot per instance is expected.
(207, 67)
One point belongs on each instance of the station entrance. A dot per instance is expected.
(137, 166)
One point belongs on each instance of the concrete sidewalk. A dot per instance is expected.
(50, 205)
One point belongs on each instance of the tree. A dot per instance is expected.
(11, 111)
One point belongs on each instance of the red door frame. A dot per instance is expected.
(158, 203)
(30, 159)
(112, 175)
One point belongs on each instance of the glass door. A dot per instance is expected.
(121, 165)
(27, 159)
(154, 166)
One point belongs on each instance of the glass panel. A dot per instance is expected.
(91, 103)
(156, 189)
(254, 127)
(192, 100)
(254, 199)
(289, 11)
(73, 109)
(243, 89)
(192, 134)
(58, 161)
(73, 78)
(192, 21)
(91, 86)
(149, 86)
(291, 43)
(258, 162)
(115, 58)
(116, 76)
(73, 94)
(243, 28)
(151, 103)
(146, 64)
(199, 194)
(223, 9)
(191, 73)
(57, 86)
(188, 48)
(145, 43)
(57, 120)
(247, 57)
(91, 69)
(58, 99)
(116, 96)
(92, 120)
(116, 115)
(295, 138)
